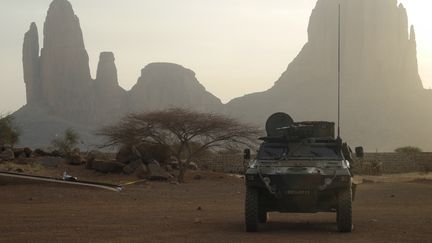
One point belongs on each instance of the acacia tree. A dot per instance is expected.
(187, 133)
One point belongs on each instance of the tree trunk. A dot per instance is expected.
(181, 175)
(183, 165)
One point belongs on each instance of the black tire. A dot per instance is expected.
(262, 216)
(344, 211)
(251, 209)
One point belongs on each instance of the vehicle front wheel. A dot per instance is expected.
(251, 209)
(344, 211)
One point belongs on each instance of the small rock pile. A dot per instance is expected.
(9, 154)
(146, 161)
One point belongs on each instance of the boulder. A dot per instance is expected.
(142, 172)
(75, 158)
(174, 164)
(107, 166)
(7, 155)
(22, 152)
(156, 172)
(31, 65)
(56, 153)
(132, 166)
(28, 152)
(169, 168)
(95, 154)
(192, 166)
(40, 152)
(125, 155)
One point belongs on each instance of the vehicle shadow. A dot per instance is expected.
(286, 227)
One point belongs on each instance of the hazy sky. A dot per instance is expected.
(234, 46)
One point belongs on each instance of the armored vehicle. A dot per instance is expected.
(300, 167)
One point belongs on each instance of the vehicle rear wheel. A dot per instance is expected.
(344, 211)
(251, 209)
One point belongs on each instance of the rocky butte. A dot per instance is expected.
(61, 92)
(384, 104)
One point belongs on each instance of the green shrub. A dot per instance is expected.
(67, 142)
(9, 134)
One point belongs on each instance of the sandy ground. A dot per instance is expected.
(387, 209)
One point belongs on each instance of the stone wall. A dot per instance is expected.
(372, 163)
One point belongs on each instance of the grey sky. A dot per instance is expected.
(234, 46)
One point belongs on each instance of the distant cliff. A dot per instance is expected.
(383, 102)
(61, 92)
(383, 105)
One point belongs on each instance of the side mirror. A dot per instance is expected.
(359, 152)
(246, 154)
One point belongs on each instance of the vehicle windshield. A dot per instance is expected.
(296, 151)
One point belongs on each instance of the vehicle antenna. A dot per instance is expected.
(339, 71)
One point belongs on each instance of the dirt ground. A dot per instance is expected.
(387, 209)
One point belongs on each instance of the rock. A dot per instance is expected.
(378, 49)
(125, 155)
(156, 172)
(132, 166)
(7, 155)
(31, 65)
(169, 168)
(110, 96)
(161, 80)
(64, 64)
(58, 82)
(75, 158)
(158, 152)
(107, 166)
(40, 152)
(142, 172)
(22, 152)
(106, 71)
(174, 164)
(192, 166)
(28, 152)
(57, 153)
(95, 154)
(378, 55)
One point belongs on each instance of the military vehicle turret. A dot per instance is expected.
(300, 167)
